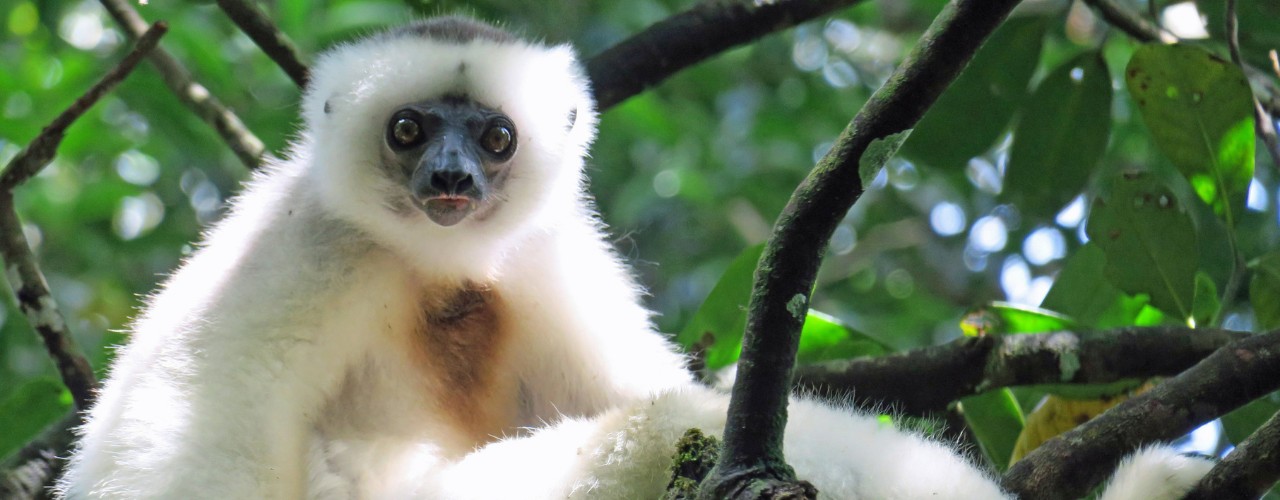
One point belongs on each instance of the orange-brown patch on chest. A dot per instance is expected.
(463, 335)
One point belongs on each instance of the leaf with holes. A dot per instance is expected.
(1149, 241)
(1199, 109)
(1060, 137)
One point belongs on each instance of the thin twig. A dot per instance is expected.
(1248, 471)
(1069, 465)
(752, 458)
(24, 274)
(247, 147)
(1233, 33)
(36, 155)
(1263, 125)
(925, 381)
(1130, 23)
(255, 23)
(679, 41)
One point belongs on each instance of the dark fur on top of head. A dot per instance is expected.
(453, 29)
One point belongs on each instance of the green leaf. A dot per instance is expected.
(1264, 290)
(996, 421)
(29, 409)
(1060, 137)
(1091, 392)
(1204, 307)
(1239, 424)
(1149, 241)
(972, 113)
(877, 153)
(999, 318)
(718, 325)
(723, 315)
(1199, 109)
(1082, 291)
(826, 338)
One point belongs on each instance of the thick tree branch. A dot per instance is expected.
(255, 23)
(785, 275)
(25, 277)
(925, 381)
(1248, 471)
(1069, 465)
(247, 147)
(679, 41)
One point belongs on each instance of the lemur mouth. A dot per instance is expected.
(447, 210)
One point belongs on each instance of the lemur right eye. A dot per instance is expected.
(405, 131)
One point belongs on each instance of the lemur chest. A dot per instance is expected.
(437, 368)
(459, 345)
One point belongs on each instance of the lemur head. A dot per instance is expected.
(448, 127)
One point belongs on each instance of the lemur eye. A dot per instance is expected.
(498, 138)
(405, 131)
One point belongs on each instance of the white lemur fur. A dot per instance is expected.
(332, 338)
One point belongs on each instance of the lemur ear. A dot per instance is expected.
(573, 117)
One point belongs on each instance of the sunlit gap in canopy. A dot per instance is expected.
(1184, 21)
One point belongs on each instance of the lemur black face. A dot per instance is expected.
(453, 153)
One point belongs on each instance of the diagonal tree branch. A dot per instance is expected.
(255, 23)
(27, 473)
(247, 147)
(925, 381)
(682, 40)
(752, 457)
(24, 274)
(1069, 465)
(1248, 471)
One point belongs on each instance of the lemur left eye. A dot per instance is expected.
(498, 138)
(405, 131)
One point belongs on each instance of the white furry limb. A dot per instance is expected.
(627, 454)
(1156, 473)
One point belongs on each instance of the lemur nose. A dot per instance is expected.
(451, 182)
